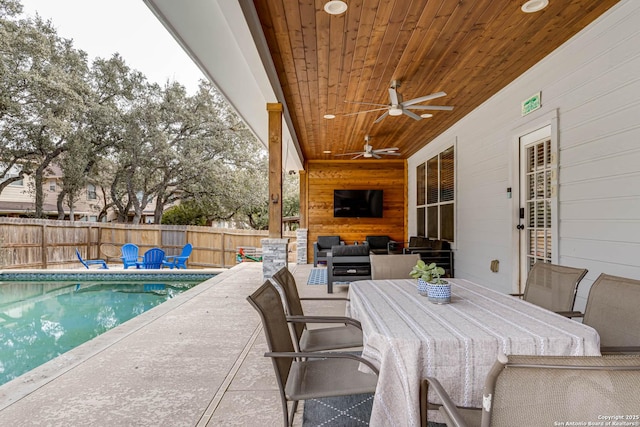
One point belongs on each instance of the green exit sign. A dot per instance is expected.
(531, 104)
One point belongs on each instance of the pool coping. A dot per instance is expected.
(99, 274)
(29, 382)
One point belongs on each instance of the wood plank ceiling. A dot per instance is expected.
(469, 49)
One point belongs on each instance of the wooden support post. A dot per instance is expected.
(303, 199)
(275, 169)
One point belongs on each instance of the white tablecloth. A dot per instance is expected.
(409, 338)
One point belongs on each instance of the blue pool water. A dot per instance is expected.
(39, 321)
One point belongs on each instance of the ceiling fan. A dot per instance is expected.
(369, 151)
(397, 107)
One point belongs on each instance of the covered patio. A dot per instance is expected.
(198, 360)
(527, 148)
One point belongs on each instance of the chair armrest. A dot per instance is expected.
(570, 314)
(447, 403)
(322, 355)
(325, 319)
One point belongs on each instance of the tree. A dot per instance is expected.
(210, 147)
(113, 87)
(188, 213)
(105, 124)
(43, 92)
(14, 156)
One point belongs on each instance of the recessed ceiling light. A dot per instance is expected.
(335, 7)
(426, 115)
(329, 116)
(532, 6)
(327, 151)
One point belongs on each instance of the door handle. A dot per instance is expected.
(520, 227)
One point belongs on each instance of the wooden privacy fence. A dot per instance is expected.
(31, 243)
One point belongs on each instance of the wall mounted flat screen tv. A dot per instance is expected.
(357, 203)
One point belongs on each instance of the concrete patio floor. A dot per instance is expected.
(195, 360)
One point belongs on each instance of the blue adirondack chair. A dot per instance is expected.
(178, 261)
(129, 255)
(151, 259)
(102, 263)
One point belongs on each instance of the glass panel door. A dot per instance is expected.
(537, 200)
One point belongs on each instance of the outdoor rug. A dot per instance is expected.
(318, 276)
(344, 411)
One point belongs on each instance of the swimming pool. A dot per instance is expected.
(40, 320)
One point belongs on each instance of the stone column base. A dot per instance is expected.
(301, 248)
(274, 256)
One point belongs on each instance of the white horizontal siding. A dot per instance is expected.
(593, 83)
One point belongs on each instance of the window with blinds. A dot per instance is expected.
(91, 192)
(440, 196)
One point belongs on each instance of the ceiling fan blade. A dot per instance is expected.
(367, 103)
(375, 156)
(411, 114)
(393, 96)
(382, 150)
(348, 154)
(365, 111)
(359, 155)
(391, 153)
(379, 119)
(430, 107)
(423, 98)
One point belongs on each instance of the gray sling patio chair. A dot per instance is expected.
(347, 335)
(548, 390)
(305, 375)
(612, 310)
(553, 287)
(392, 266)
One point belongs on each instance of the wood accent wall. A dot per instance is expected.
(322, 177)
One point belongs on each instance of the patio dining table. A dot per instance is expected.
(408, 338)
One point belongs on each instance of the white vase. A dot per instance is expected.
(439, 293)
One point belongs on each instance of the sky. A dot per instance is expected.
(104, 27)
